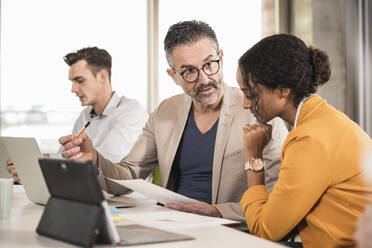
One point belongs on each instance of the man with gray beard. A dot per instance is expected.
(195, 138)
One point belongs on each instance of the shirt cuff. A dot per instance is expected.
(230, 210)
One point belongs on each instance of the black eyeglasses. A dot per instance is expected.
(191, 75)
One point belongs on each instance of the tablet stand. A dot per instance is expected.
(72, 221)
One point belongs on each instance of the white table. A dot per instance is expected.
(19, 229)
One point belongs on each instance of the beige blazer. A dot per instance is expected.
(158, 144)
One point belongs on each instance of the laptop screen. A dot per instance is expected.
(25, 152)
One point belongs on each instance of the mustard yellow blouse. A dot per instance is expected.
(321, 188)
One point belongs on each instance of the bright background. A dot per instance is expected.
(36, 98)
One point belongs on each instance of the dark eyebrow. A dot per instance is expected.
(191, 66)
(77, 78)
(208, 58)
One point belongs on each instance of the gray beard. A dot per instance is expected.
(213, 100)
(210, 102)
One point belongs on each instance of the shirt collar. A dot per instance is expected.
(110, 107)
(299, 108)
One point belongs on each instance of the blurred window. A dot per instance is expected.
(36, 98)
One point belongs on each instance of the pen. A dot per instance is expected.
(82, 130)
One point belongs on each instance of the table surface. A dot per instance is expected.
(19, 229)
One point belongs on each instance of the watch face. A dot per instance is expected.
(257, 164)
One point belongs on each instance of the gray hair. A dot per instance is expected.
(186, 32)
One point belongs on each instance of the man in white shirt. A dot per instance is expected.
(115, 122)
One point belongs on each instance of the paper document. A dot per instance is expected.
(154, 192)
(175, 219)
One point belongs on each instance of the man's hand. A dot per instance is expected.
(201, 208)
(12, 170)
(80, 149)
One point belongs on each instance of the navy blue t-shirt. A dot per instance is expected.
(194, 161)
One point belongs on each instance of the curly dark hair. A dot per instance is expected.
(186, 32)
(96, 58)
(284, 61)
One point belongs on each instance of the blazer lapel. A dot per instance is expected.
(224, 125)
(174, 141)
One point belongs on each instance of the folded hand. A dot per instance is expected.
(255, 138)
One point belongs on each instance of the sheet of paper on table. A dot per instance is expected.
(154, 192)
(170, 219)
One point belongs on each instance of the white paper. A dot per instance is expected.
(155, 192)
(174, 219)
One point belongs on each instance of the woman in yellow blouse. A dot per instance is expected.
(321, 189)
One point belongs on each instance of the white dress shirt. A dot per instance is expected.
(114, 132)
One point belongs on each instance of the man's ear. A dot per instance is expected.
(103, 76)
(220, 54)
(172, 74)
